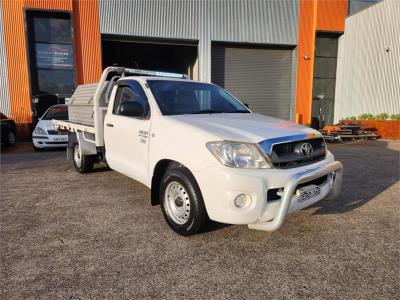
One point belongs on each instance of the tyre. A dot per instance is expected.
(181, 202)
(37, 149)
(82, 163)
(11, 138)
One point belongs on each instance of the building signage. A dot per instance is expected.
(54, 56)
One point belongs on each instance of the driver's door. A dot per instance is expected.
(127, 138)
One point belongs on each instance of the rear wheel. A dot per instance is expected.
(11, 138)
(181, 202)
(82, 163)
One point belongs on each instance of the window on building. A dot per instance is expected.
(51, 57)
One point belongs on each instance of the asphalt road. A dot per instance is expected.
(67, 235)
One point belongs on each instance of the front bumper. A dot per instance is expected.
(220, 185)
(50, 141)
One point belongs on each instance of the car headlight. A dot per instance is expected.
(239, 155)
(39, 131)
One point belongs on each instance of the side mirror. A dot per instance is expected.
(247, 105)
(131, 109)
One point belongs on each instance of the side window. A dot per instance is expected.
(130, 92)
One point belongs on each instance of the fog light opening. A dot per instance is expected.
(241, 200)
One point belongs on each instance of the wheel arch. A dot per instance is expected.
(158, 172)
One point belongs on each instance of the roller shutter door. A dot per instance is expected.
(258, 76)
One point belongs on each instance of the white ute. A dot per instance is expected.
(202, 152)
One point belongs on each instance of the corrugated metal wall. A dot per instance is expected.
(5, 105)
(331, 15)
(252, 21)
(49, 4)
(368, 76)
(15, 74)
(87, 41)
(305, 67)
(17, 66)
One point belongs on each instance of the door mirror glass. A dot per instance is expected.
(131, 109)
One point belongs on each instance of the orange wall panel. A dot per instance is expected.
(17, 63)
(331, 15)
(305, 67)
(50, 4)
(87, 41)
(315, 15)
(16, 52)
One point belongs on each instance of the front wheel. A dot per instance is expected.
(37, 149)
(181, 202)
(82, 163)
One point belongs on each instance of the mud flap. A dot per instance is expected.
(71, 142)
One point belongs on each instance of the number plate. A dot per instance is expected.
(308, 192)
(60, 139)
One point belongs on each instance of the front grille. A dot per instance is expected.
(318, 181)
(287, 155)
(272, 194)
(53, 132)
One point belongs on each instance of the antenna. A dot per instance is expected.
(137, 66)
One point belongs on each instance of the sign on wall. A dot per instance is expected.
(54, 56)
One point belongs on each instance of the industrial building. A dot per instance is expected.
(278, 56)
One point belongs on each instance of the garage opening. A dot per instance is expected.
(257, 75)
(157, 55)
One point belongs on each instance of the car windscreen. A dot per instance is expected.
(187, 97)
(57, 113)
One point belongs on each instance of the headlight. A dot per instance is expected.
(239, 155)
(39, 131)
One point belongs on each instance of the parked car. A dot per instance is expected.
(45, 134)
(8, 130)
(202, 152)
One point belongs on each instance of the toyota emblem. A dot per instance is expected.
(306, 149)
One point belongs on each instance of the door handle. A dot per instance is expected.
(109, 125)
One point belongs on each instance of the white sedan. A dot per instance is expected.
(45, 134)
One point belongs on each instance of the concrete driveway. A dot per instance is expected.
(67, 235)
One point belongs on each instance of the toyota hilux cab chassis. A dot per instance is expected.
(202, 152)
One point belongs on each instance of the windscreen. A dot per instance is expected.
(186, 97)
(57, 113)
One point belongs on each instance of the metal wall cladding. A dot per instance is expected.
(270, 22)
(248, 21)
(17, 66)
(331, 15)
(368, 72)
(65, 5)
(5, 106)
(87, 41)
(14, 73)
